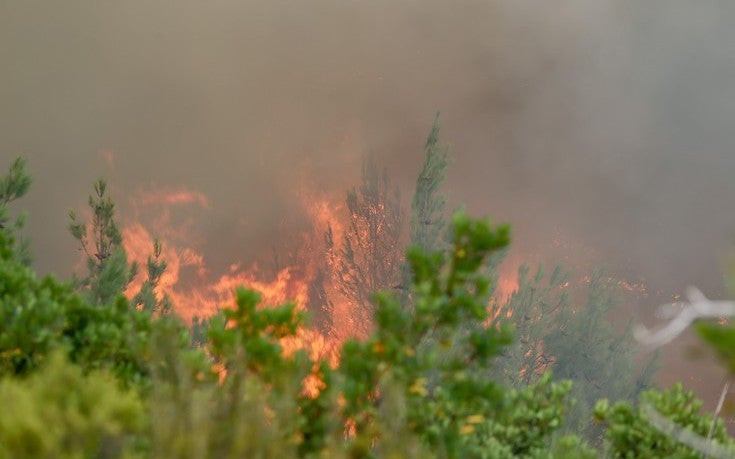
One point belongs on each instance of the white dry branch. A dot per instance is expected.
(699, 307)
(708, 448)
(720, 403)
(681, 315)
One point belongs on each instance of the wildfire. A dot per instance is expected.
(507, 285)
(196, 291)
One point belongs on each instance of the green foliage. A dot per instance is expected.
(32, 313)
(108, 272)
(533, 306)
(570, 447)
(61, 412)
(722, 339)
(14, 185)
(248, 337)
(428, 220)
(579, 343)
(256, 408)
(631, 433)
(549, 332)
(428, 204)
(115, 336)
(589, 350)
(146, 298)
(40, 316)
(245, 342)
(440, 356)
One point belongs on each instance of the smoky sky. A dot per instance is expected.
(607, 125)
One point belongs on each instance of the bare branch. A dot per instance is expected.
(699, 307)
(720, 403)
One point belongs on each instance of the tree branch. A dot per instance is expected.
(699, 307)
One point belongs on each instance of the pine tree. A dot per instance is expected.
(14, 185)
(579, 343)
(368, 259)
(428, 220)
(108, 271)
(533, 310)
(597, 357)
(147, 299)
(429, 229)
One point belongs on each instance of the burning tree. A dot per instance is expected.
(368, 259)
(320, 305)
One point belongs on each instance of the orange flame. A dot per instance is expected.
(193, 289)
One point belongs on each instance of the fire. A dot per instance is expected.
(196, 291)
(168, 215)
(325, 214)
(187, 280)
(507, 285)
(200, 297)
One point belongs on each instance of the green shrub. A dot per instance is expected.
(631, 433)
(60, 412)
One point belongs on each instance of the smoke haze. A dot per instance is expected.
(600, 130)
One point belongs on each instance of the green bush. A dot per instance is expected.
(39, 316)
(59, 412)
(631, 433)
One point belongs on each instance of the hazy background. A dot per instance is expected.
(603, 131)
